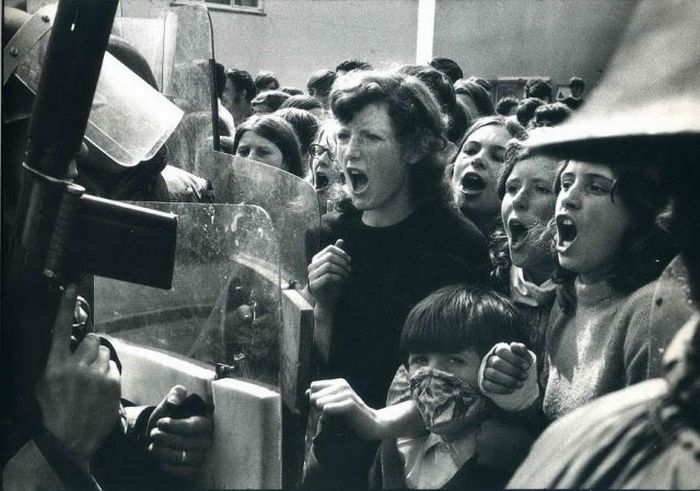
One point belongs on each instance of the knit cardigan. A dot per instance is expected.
(597, 346)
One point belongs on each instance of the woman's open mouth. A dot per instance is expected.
(566, 232)
(472, 184)
(321, 181)
(518, 233)
(358, 180)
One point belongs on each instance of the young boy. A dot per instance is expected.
(467, 442)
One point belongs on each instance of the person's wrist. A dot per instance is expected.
(381, 427)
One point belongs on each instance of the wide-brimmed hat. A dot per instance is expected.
(649, 100)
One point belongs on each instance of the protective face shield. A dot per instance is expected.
(176, 41)
(129, 121)
(290, 200)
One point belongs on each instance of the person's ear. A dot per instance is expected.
(417, 150)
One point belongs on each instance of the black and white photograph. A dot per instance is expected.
(350, 244)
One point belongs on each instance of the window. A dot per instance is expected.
(244, 6)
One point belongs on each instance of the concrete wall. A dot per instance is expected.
(489, 38)
(509, 38)
(296, 37)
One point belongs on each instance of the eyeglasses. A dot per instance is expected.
(316, 150)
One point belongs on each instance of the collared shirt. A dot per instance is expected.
(430, 461)
(527, 293)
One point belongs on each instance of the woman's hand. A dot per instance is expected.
(328, 271)
(335, 398)
(506, 368)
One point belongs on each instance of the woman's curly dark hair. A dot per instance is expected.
(646, 248)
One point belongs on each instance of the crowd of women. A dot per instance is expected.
(470, 290)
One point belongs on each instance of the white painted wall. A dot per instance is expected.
(297, 37)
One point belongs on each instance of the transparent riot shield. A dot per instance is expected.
(224, 307)
(291, 201)
(176, 40)
(295, 213)
(129, 120)
(217, 332)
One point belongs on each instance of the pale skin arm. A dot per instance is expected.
(335, 398)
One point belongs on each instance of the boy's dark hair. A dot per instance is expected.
(505, 104)
(646, 248)
(241, 79)
(271, 98)
(526, 109)
(304, 123)
(264, 79)
(540, 88)
(350, 65)
(552, 114)
(302, 101)
(448, 67)
(321, 81)
(459, 317)
(577, 82)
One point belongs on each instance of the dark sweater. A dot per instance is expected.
(393, 268)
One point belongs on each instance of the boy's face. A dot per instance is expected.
(462, 364)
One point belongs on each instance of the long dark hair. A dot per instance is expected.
(279, 132)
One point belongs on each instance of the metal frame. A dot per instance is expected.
(231, 7)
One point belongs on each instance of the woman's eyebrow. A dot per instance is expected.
(594, 175)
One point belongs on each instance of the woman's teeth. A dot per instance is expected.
(566, 231)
